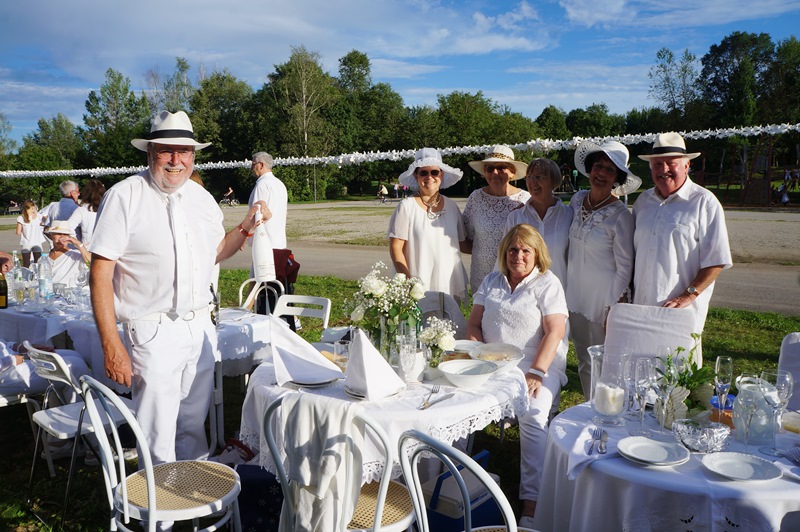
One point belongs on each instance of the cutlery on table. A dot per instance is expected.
(426, 403)
(596, 435)
(601, 447)
(436, 401)
(792, 454)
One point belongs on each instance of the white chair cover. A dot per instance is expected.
(443, 305)
(789, 360)
(642, 328)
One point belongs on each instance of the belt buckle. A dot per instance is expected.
(189, 315)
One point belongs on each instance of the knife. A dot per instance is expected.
(439, 400)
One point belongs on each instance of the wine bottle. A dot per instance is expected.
(263, 259)
(3, 291)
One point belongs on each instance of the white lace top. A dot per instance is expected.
(485, 219)
(516, 317)
(600, 265)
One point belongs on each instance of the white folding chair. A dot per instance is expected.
(288, 306)
(443, 306)
(382, 506)
(789, 360)
(174, 491)
(415, 445)
(63, 422)
(642, 328)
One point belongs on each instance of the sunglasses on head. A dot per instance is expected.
(424, 173)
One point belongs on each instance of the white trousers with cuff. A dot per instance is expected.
(533, 436)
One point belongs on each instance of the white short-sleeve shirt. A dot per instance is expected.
(674, 239)
(82, 222)
(516, 317)
(133, 228)
(66, 267)
(273, 192)
(32, 232)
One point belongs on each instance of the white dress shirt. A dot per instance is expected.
(272, 191)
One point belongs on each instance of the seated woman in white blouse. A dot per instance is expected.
(523, 304)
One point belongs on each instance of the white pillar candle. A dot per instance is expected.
(608, 400)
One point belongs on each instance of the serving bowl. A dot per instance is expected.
(504, 355)
(467, 373)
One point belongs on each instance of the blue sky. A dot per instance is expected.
(526, 55)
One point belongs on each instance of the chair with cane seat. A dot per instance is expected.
(173, 491)
(384, 505)
(288, 306)
(415, 445)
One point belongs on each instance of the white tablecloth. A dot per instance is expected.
(39, 328)
(468, 411)
(615, 494)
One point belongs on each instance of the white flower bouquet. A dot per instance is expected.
(439, 336)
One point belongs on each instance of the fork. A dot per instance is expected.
(426, 403)
(792, 454)
(597, 433)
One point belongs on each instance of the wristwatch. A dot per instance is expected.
(692, 291)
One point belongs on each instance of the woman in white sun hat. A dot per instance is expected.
(600, 265)
(426, 230)
(488, 208)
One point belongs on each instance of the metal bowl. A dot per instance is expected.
(701, 436)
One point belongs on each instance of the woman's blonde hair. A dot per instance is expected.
(27, 204)
(529, 237)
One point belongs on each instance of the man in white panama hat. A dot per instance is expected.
(157, 238)
(680, 240)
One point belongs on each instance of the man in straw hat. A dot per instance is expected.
(157, 237)
(681, 240)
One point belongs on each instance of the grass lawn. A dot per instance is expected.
(752, 339)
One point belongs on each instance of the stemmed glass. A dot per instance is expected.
(665, 382)
(723, 376)
(746, 403)
(644, 377)
(776, 387)
(81, 281)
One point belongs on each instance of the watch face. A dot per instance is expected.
(691, 290)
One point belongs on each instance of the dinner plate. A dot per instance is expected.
(313, 384)
(650, 452)
(354, 394)
(740, 466)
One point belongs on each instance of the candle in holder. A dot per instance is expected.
(609, 400)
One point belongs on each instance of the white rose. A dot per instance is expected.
(357, 314)
(375, 287)
(447, 342)
(417, 291)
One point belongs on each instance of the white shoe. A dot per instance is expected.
(526, 522)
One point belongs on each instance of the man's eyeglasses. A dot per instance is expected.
(424, 173)
(166, 154)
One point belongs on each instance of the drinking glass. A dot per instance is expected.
(665, 382)
(746, 402)
(776, 387)
(723, 376)
(341, 353)
(644, 376)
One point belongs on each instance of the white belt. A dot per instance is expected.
(174, 316)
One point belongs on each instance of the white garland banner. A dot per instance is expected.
(347, 159)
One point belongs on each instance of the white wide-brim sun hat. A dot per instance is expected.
(171, 128)
(430, 157)
(501, 153)
(618, 153)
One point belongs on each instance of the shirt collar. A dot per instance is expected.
(682, 193)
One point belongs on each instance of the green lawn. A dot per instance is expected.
(752, 339)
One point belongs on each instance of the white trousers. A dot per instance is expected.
(23, 379)
(533, 436)
(173, 368)
(585, 334)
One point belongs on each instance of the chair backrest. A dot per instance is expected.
(413, 446)
(287, 306)
(273, 287)
(789, 360)
(51, 366)
(442, 305)
(114, 469)
(270, 425)
(642, 328)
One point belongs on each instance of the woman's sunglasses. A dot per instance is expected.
(424, 173)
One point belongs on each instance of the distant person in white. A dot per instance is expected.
(680, 240)
(83, 218)
(66, 262)
(63, 208)
(271, 191)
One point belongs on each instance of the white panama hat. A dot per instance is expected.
(171, 128)
(501, 153)
(430, 157)
(669, 145)
(618, 153)
(60, 227)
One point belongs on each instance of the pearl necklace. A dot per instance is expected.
(432, 205)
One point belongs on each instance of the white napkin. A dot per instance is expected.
(578, 457)
(296, 360)
(368, 372)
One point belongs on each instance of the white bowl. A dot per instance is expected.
(467, 373)
(505, 356)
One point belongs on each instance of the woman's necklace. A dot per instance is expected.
(432, 205)
(586, 213)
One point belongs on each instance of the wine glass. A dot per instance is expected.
(746, 402)
(665, 382)
(723, 376)
(776, 387)
(644, 376)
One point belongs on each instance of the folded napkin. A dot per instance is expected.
(578, 457)
(296, 360)
(368, 373)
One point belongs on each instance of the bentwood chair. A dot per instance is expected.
(415, 445)
(173, 491)
(385, 505)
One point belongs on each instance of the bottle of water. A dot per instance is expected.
(45, 272)
(263, 259)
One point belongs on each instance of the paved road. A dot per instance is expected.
(762, 242)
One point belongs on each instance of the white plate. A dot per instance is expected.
(354, 394)
(740, 466)
(313, 384)
(650, 452)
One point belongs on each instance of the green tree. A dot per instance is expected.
(7, 144)
(553, 123)
(674, 82)
(59, 135)
(782, 99)
(355, 73)
(595, 121)
(467, 119)
(178, 87)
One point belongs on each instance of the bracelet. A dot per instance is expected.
(243, 232)
(537, 372)
(81, 245)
